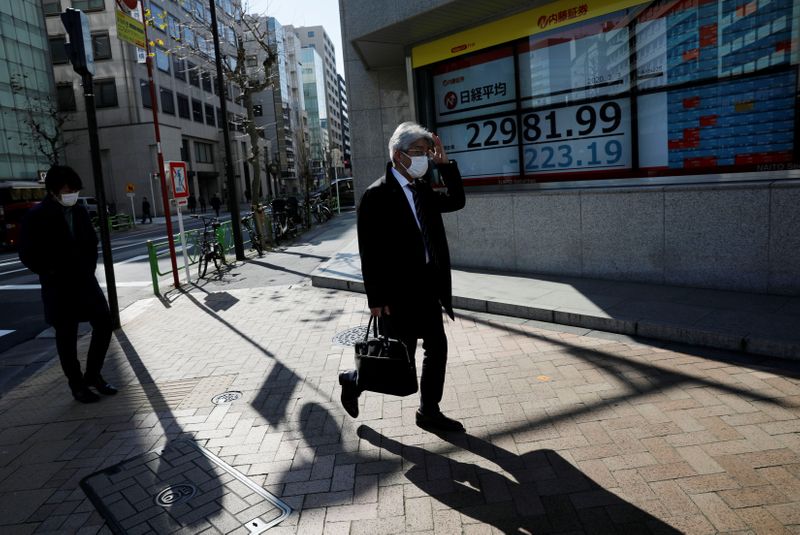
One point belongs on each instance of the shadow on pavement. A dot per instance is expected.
(172, 489)
(546, 495)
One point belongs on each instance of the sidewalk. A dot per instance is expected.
(228, 421)
(767, 325)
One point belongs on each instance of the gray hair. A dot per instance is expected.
(406, 134)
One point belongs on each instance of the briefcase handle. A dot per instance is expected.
(379, 326)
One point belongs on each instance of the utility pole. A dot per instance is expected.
(233, 198)
(79, 51)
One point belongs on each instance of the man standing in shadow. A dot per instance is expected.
(58, 243)
(405, 261)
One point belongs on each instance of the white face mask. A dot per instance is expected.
(418, 167)
(68, 199)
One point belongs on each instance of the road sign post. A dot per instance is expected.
(180, 192)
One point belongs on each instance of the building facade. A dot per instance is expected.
(637, 141)
(315, 37)
(315, 98)
(347, 153)
(190, 116)
(27, 91)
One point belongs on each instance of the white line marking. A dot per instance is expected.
(127, 284)
(4, 332)
(10, 263)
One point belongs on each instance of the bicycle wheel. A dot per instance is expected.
(255, 241)
(202, 263)
(327, 213)
(219, 258)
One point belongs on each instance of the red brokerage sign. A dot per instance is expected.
(180, 184)
(130, 4)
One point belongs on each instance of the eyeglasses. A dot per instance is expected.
(419, 152)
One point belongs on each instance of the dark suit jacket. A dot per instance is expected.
(64, 262)
(390, 243)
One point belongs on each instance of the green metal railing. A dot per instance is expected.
(157, 250)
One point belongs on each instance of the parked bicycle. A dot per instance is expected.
(255, 237)
(320, 209)
(210, 248)
(284, 218)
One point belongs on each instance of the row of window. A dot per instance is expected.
(105, 95)
(197, 8)
(101, 46)
(188, 108)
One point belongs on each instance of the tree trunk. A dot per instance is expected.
(255, 162)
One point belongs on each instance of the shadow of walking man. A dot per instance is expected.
(544, 493)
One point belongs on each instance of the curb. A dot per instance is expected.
(685, 334)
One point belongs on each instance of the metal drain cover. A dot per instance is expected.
(183, 488)
(226, 397)
(176, 494)
(350, 336)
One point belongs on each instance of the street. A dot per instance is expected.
(22, 318)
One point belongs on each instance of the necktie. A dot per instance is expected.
(423, 227)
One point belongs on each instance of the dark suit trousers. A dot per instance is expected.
(67, 346)
(420, 317)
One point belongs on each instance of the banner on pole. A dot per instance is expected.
(130, 30)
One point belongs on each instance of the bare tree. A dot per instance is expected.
(44, 119)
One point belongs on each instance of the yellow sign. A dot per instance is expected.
(129, 29)
(538, 20)
(130, 188)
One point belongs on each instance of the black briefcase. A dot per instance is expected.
(383, 363)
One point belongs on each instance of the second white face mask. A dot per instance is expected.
(69, 199)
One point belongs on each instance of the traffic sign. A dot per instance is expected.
(180, 184)
(131, 194)
(130, 188)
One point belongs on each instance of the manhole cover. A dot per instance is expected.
(350, 336)
(176, 494)
(226, 397)
(182, 488)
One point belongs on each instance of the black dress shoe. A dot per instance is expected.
(107, 389)
(438, 422)
(84, 395)
(350, 395)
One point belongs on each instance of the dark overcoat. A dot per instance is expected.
(64, 261)
(390, 242)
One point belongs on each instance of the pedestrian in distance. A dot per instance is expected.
(215, 204)
(58, 243)
(405, 261)
(191, 202)
(202, 205)
(146, 210)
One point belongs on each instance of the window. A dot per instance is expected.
(199, 13)
(186, 5)
(57, 50)
(178, 66)
(194, 77)
(204, 152)
(51, 7)
(220, 122)
(101, 46)
(167, 101)
(311, 34)
(144, 89)
(89, 5)
(174, 27)
(197, 110)
(658, 91)
(159, 17)
(66, 97)
(188, 37)
(105, 93)
(206, 77)
(210, 115)
(183, 106)
(162, 60)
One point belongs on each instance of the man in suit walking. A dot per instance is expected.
(59, 244)
(405, 261)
